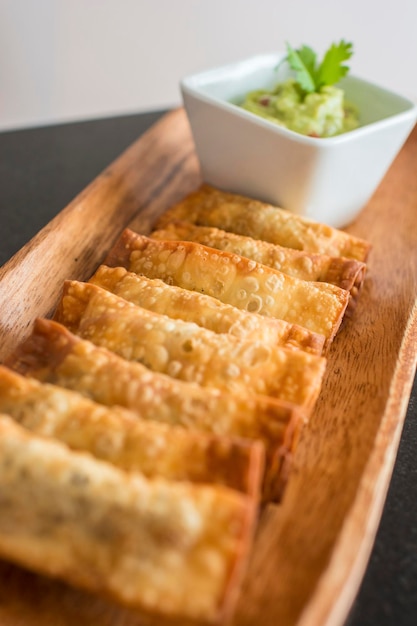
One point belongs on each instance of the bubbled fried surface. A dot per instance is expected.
(245, 216)
(339, 271)
(53, 354)
(186, 351)
(120, 437)
(156, 295)
(66, 514)
(235, 280)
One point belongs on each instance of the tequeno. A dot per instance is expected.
(119, 437)
(211, 207)
(53, 354)
(141, 429)
(189, 352)
(164, 548)
(235, 280)
(191, 306)
(345, 273)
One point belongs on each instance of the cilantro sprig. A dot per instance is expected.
(311, 75)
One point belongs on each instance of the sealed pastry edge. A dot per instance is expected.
(233, 580)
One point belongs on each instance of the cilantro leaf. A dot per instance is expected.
(308, 57)
(311, 77)
(303, 63)
(331, 69)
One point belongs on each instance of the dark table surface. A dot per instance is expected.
(41, 171)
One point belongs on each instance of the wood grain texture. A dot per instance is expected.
(311, 551)
(159, 167)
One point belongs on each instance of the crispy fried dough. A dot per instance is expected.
(189, 352)
(235, 280)
(245, 216)
(345, 273)
(165, 548)
(117, 436)
(53, 354)
(155, 295)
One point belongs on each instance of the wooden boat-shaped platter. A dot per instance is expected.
(310, 552)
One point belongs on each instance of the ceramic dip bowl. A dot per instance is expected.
(326, 179)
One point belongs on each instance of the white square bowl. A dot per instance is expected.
(326, 179)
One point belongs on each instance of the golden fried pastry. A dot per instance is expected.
(189, 352)
(170, 549)
(157, 296)
(211, 207)
(235, 280)
(117, 436)
(348, 274)
(53, 354)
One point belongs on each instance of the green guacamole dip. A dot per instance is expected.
(318, 114)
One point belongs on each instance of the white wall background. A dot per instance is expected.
(63, 60)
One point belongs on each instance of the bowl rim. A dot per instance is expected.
(188, 87)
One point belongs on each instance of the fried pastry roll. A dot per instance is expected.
(189, 352)
(345, 273)
(117, 436)
(235, 280)
(191, 306)
(54, 355)
(170, 549)
(245, 216)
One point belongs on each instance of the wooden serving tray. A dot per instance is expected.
(310, 552)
